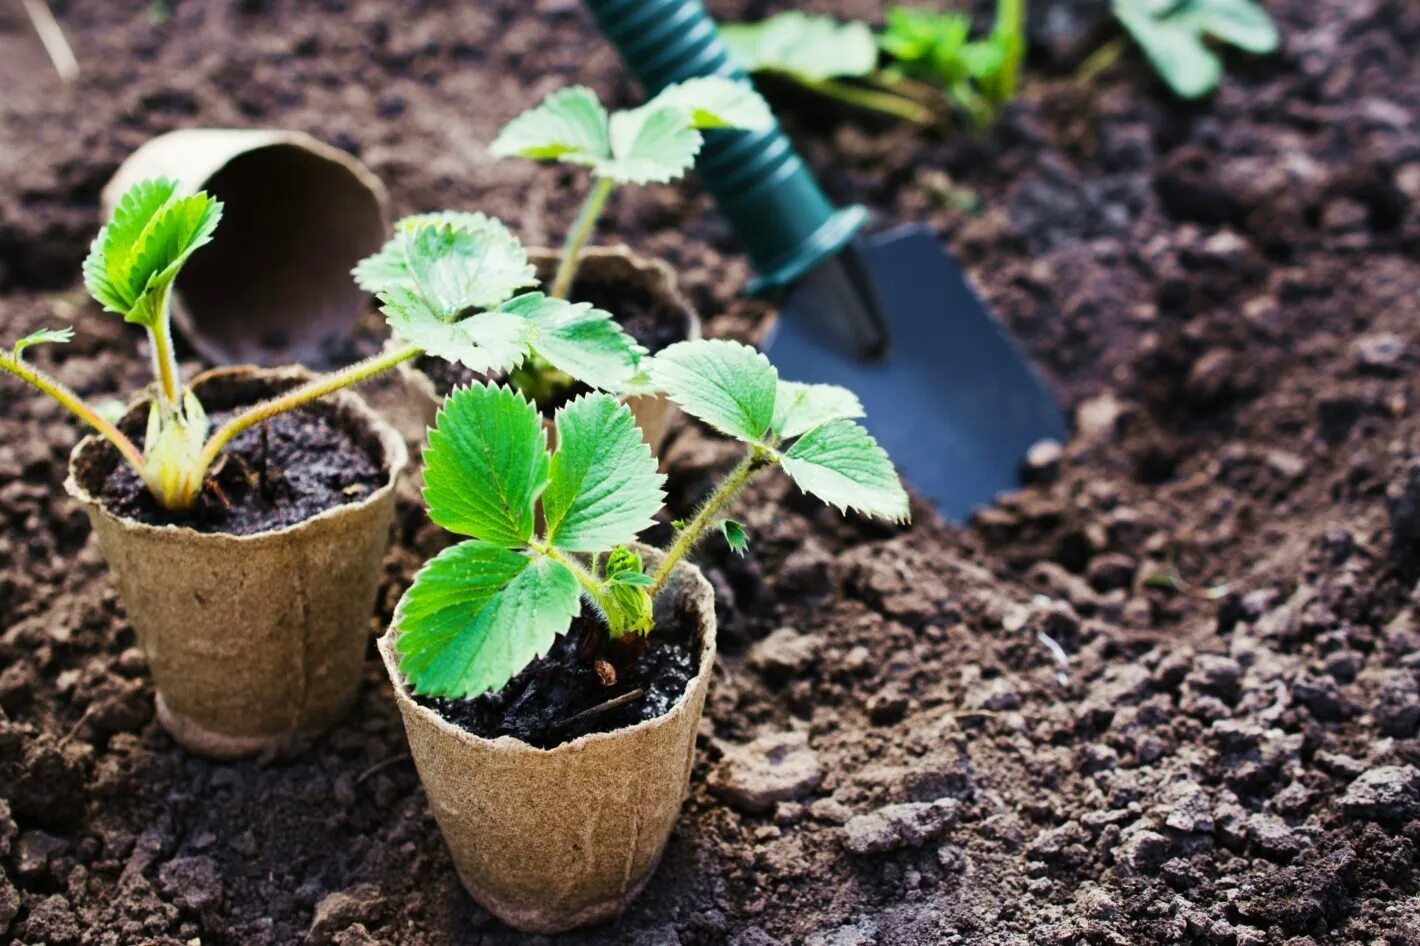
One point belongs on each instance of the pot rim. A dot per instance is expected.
(512, 744)
(395, 459)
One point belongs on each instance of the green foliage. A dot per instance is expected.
(803, 46)
(136, 256)
(1172, 35)
(978, 76)
(841, 464)
(45, 336)
(735, 536)
(478, 613)
(655, 142)
(447, 283)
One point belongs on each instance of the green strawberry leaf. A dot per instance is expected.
(714, 102)
(569, 125)
(728, 385)
(139, 252)
(45, 336)
(603, 488)
(477, 614)
(485, 343)
(841, 464)
(1240, 23)
(798, 408)
(627, 605)
(585, 342)
(802, 45)
(454, 261)
(485, 465)
(1174, 48)
(735, 536)
(650, 145)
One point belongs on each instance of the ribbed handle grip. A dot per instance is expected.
(760, 183)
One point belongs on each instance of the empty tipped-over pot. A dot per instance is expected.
(250, 638)
(552, 839)
(274, 287)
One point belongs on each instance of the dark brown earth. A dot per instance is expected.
(1226, 293)
(274, 475)
(560, 697)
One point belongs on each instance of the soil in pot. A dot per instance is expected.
(285, 471)
(560, 696)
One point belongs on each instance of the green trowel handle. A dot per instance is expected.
(760, 183)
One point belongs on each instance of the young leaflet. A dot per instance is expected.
(434, 271)
(481, 611)
(1171, 33)
(655, 142)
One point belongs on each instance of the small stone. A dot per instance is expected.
(887, 707)
(1043, 461)
(1284, 464)
(898, 826)
(1397, 705)
(34, 851)
(773, 768)
(192, 882)
(342, 909)
(1216, 675)
(1320, 695)
(1110, 571)
(1098, 418)
(1190, 811)
(784, 654)
(952, 858)
(1272, 835)
(1096, 903)
(1379, 353)
(1384, 793)
(1142, 849)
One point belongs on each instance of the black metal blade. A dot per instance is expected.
(952, 399)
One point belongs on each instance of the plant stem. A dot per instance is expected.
(76, 405)
(320, 387)
(1101, 60)
(578, 236)
(884, 103)
(730, 487)
(165, 367)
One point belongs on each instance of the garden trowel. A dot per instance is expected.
(891, 316)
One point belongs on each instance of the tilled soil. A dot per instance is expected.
(1226, 552)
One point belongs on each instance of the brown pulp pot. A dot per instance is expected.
(611, 266)
(253, 638)
(552, 839)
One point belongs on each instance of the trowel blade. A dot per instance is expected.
(954, 401)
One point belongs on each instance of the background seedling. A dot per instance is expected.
(934, 66)
(655, 142)
(435, 270)
(1173, 34)
(481, 611)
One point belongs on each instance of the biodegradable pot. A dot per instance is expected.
(274, 287)
(552, 839)
(610, 266)
(250, 638)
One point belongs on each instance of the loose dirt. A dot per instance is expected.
(1226, 552)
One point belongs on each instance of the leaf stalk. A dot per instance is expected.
(578, 236)
(758, 458)
(75, 405)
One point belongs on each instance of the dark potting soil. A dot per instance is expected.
(280, 473)
(1227, 294)
(557, 697)
(646, 318)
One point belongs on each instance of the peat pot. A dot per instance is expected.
(251, 638)
(552, 839)
(606, 274)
